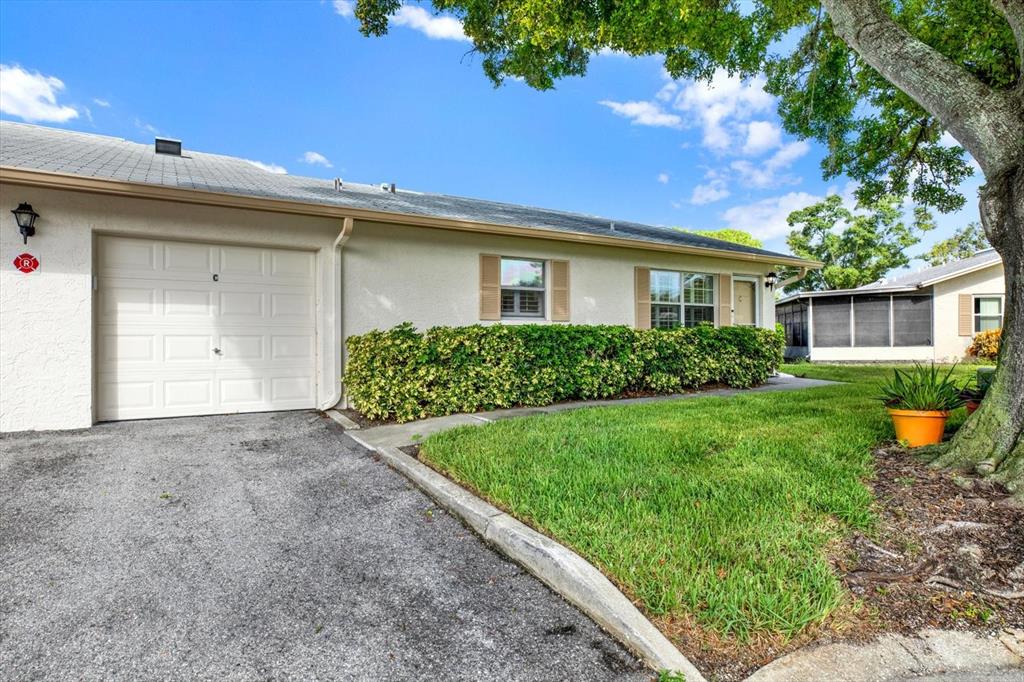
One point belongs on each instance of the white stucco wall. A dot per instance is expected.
(949, 345)
(395, 273)
(872, 354)
(46, 350)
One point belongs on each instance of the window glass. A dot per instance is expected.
(664, 286)
(988, 313)
(522, 287)
(681, 298)
(699, 289)
(664, 316)
(696, 314)
(522, 273)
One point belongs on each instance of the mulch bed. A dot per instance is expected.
(948, 554)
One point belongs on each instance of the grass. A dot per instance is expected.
(714, 511)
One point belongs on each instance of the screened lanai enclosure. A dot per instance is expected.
(867, 321)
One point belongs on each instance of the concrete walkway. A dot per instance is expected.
(400, 435)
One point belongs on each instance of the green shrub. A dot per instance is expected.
(403, 374)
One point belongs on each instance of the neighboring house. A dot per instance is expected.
(175, 282)
(932, 314)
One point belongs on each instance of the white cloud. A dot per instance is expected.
(101, 102)
(32, 96)
(663, 178)
(762, 136)
(430, 25)
(316, 159)
(146, 127)
(269, 167)
(345, 8)
(770, 173)
(721, 106)
(766, 219)
(709, 192)
(644, 114)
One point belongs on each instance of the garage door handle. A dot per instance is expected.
(217, 351)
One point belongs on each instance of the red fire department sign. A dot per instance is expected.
(26, 262)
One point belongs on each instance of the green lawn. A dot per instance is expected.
(713, 510)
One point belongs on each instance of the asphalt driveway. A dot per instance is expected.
(263, 546)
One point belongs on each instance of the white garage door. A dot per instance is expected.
(185, 328)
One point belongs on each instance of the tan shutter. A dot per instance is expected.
(724, 301)
(966, 315)
(642, 284)
(559, 291)
(490, 287)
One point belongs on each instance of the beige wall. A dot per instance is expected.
(46, 355)
(948, 344)
(430, 277)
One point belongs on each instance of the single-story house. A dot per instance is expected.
(157, 281)
(932, 314)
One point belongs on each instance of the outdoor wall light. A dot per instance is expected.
(771, 279)
(26, 218)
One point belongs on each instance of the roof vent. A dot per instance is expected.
(388, 187)
(338, 184)
(165, 145)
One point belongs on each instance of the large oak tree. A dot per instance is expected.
(877, 82)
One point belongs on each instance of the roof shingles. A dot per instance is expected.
(49, 149)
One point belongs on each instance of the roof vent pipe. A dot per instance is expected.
(165, 145)
(338, 184)
(392, 188)
(612, 227)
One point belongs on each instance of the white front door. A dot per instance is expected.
(744, 302)
(186, 328)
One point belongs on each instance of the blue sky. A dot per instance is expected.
(294, 86)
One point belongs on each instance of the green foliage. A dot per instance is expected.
(856, 248)
(403, 374)
(874, 133)
(922, 387)
(965, 242)
(730, 235)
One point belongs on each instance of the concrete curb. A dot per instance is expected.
(898, 657)
(561, 569)
(345, 422)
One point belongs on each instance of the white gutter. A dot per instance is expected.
(339, 244)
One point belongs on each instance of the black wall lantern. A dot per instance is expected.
(771, 279)
(26, 218)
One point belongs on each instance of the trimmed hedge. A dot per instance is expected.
(403, 374)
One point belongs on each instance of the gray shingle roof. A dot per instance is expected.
(40, 148)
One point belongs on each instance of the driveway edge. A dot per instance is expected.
(558, 567)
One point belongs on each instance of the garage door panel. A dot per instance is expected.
(171, 341)
(187, 259)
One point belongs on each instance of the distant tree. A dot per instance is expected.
(965, 242)
(856, 248)
(734, 236)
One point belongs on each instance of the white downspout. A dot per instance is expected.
(339, 244)
(792, 280)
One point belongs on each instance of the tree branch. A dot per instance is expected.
(988, 123)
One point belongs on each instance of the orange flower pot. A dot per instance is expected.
(915, 428)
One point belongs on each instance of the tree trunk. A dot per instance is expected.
(991, 442)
